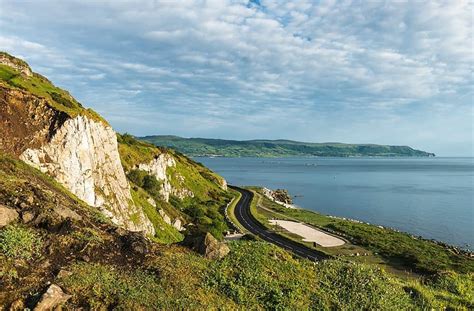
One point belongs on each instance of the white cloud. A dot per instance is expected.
(283, 59)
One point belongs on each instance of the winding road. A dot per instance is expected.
(247, 220)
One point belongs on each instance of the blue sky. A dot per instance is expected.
(351, 71)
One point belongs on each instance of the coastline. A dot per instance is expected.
(402, 253)
(425, 197)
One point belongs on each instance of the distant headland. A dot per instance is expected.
(279, 148)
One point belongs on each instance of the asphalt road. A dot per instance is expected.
(245, 218)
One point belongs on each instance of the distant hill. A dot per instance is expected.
(278, 148)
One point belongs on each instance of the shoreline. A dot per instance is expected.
(458, 250)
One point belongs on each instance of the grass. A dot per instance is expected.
(133, 152)
(19, 242)
(106, 286)
(258, 275)
(164, 233)
(231, 210)
(38, 85)
(397, 249)
(254, 276)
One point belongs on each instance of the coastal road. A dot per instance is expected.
(247, 220)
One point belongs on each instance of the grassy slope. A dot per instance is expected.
(204, 209)
(259, 276)
(38, 85)
(400, 250)
(275, 148)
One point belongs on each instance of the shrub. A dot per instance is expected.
(19, 242)
(137, 177)
(152, 185)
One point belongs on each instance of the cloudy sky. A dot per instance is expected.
(351, 71)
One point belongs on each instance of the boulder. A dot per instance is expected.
(53, 297)
(211, 248)
(177, 225)
(65, 213)
(7, 215)
(17, 305)
(135, 242)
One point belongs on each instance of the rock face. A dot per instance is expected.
(53, 298)
(175, 223)
(158, 167)
(26, 121)
(7, 216)
(19, 65)
(83, 156)
(223, 184)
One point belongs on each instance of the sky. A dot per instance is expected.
(387, 72)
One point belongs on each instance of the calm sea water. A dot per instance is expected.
(431, 197)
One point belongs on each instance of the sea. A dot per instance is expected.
(428, 197)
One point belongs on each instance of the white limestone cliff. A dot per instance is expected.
(83, 156)
(158, 168)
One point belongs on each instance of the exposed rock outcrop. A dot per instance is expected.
(176, 223)
(83, 156)
(79, 152)
(26, 121)
(16, 63)
(158, 167)
(53, 298)
(223, 184)
(279, 196)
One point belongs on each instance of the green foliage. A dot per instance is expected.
(38, 85)
(19, 242)
(205, 215)
(350, 286)
(104, 286)
(444, 291)
(133, 152)
(152, 185)
(164, 233)
(259, 275)
(420, 255)
(458, 284)
(276, 148)
(145, 181)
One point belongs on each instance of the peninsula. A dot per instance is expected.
(278, 148)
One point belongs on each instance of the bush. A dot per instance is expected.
(19, 242)
(152, 185)
(137, 177)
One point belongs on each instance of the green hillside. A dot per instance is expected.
(40, 86)
(278, 148)
(202, 209)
